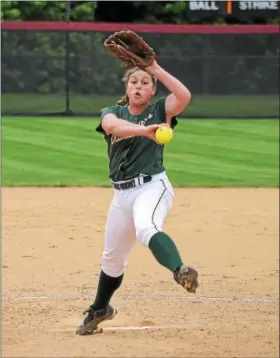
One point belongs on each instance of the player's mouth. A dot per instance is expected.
(137, 94)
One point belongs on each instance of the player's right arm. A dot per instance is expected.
(113, 125)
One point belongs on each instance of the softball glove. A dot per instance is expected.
(128, 47)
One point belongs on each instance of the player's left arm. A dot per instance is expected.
(180, 96)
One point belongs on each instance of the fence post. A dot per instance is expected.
(67, 54)
(205, 66)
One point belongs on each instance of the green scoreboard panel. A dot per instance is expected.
(241, 10)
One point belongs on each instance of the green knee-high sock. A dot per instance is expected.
(106, 287)
(165, 251)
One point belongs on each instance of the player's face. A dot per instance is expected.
(140, 88)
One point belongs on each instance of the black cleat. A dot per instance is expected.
(93, 318)
(187, 276)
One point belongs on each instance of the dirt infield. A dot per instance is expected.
(52, 244)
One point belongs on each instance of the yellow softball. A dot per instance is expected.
(164, 135)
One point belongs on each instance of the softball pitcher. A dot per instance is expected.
(143, 193)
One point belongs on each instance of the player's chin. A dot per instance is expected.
(138, 101)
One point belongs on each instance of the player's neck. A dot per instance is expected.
(136, 110)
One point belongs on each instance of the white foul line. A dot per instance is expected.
(133, 328)
(151, 297)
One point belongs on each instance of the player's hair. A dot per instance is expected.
(124, 99)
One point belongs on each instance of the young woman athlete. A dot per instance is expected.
(142, 192)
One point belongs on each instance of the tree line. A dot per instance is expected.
(109, 11)
(35, 61)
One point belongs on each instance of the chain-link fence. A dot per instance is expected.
(61, 72)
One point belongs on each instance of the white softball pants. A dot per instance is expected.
(134, 214)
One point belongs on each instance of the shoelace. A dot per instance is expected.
(89, 310)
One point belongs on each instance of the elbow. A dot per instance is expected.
(184, 98)
(187, 98)
(109, 123)
(113, 129)
(108, 128)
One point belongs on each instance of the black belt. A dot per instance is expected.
(133, 183)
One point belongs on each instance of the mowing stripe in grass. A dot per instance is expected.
(68, 151)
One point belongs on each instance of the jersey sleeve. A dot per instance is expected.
(107, 110)
(161, 103)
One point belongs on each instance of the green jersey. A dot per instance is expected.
(132, 156)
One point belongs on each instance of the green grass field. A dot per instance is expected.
(68, 151)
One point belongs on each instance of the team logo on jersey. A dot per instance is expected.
(142, 123)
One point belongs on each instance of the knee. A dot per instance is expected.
(145, 234)
(113, 265)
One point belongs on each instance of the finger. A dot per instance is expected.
(154, 126)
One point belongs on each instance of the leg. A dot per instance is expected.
(150, 210)
(119, 239)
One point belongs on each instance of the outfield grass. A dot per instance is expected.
(68, 151)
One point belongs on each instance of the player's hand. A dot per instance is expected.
(150, 131)
(152, 69)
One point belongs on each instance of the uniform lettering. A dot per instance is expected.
(258, 5)
(203, 5)
(116, 138)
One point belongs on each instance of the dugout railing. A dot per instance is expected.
(63, 68)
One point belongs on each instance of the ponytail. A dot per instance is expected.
(123, 101)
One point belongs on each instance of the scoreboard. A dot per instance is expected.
(241, 10)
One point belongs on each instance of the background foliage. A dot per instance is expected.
(111, 11)
(34, 62)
